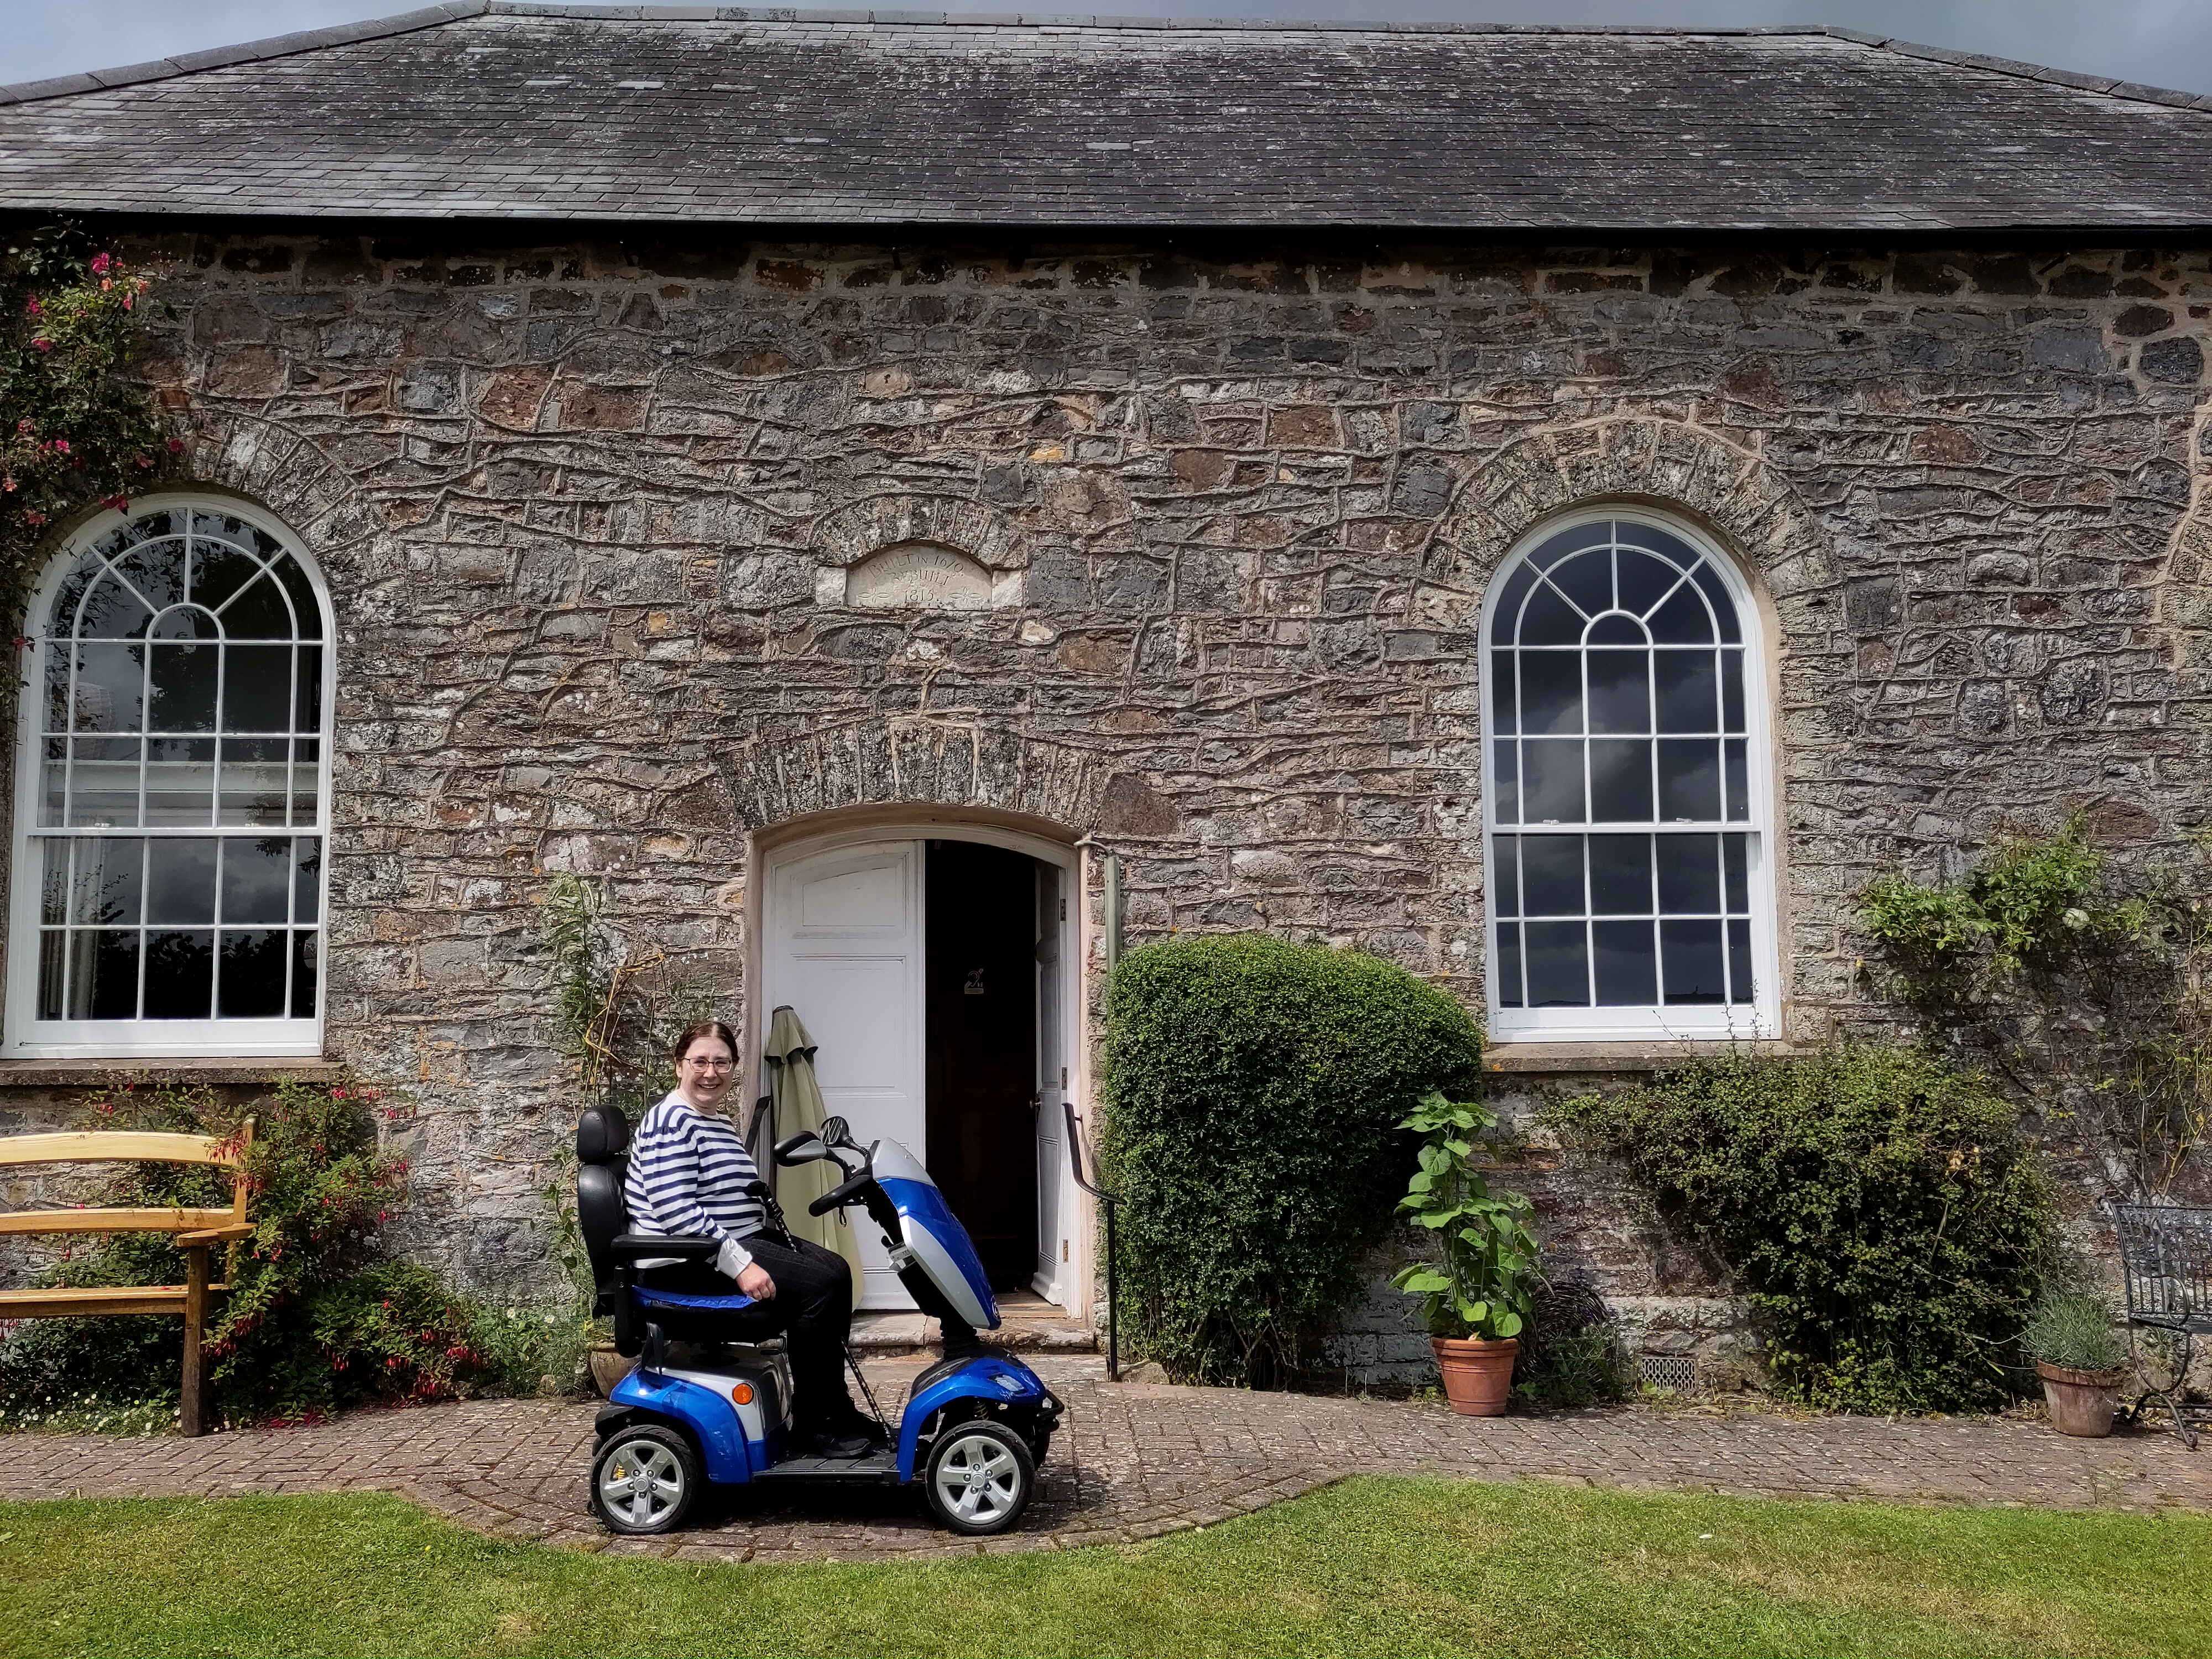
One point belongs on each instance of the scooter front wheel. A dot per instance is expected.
(644, 1480)
(980, 1478)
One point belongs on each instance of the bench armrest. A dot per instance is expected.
(688, 1247)
(217, 1235)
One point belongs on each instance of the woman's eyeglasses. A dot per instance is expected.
(712, 1065)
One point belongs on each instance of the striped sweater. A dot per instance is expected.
(688, 1175)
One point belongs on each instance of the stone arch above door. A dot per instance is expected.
(1531, 476)
(776, 777)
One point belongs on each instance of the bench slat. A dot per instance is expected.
(112, 1221)
(113, 1146)
(97, 1299)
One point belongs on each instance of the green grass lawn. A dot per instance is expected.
(1373, 1566)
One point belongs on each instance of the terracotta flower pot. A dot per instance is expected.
(2080, 1403)
(1477, 1374)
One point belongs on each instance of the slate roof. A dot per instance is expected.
(792, 118)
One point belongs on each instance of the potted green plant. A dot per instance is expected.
(2081, 1363)
(1476, 1294)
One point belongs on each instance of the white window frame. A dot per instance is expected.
(28, 1037)
(1702, 1023)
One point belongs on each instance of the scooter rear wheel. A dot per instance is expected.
(644, 1479)
(980, 1478)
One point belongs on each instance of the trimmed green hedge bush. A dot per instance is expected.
(1890, 1224)
(1253, 1088)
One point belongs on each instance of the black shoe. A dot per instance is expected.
(854, 1420)
(828, 1440)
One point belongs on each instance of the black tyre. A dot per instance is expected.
(980, 1478)
(645, 1478)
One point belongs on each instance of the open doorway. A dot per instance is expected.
(929, 966)
(980, 998)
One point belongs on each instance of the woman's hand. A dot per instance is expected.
(755, 1282)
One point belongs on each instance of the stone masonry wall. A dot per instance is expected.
(587, 512)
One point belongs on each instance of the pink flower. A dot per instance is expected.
(176, 444)
(34, 518)
(23, 425)
(42, 343)
(100, 262)
(32, 309)
(61, 446)
(8, 485)
(106, 283)
(126, 303)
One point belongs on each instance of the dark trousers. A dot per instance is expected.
(812, 1308)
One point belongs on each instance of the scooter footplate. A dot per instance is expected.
(875, 1466)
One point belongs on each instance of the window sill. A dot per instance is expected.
(1656, 1055)
(91, 1073)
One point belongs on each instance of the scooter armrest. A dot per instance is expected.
(687, 1247)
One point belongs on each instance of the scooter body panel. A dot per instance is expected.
(735, 1440)
(941, 1244)
(997, 1379)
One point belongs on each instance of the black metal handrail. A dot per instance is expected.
(1112, 1204)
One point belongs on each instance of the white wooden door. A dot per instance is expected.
(1051, 1119)
(844, 948)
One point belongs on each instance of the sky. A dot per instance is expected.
(2166, 43)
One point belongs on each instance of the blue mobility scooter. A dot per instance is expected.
(717, 1411)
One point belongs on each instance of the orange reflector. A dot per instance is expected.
(741, 1393)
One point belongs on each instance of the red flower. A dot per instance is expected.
(61, 446)
(32, 309)
(176, 444)
(42, 343)
(100, 262)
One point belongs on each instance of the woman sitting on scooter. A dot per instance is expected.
(689, 1170)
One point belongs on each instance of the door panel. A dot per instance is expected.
(844, 947)
(1051, 1123)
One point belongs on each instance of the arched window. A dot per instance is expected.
(1626, 809)
(172, 803)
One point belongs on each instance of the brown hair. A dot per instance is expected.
(704, 1028)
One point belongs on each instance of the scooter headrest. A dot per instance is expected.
(602, 1135)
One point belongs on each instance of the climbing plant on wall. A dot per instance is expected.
(2083, 987)
(72, 431)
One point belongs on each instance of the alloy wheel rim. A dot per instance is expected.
(977, 1479)
(640, 1482)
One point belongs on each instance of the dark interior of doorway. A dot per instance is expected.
(981, 990)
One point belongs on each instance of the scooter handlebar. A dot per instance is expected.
(838, 1197)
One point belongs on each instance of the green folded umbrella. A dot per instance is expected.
(796, 1105)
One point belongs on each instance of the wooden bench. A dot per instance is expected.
(197, 1231)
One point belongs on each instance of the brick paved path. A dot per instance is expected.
(1136, 1460)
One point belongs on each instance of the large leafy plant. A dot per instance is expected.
(1484, 1278)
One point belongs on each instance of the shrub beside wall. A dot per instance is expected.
(1890, 1224)
(1253, 1090)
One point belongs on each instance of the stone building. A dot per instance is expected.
(836, 484)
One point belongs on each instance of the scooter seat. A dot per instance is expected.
(649, 1298)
